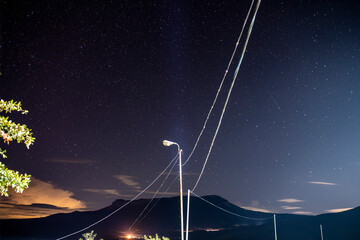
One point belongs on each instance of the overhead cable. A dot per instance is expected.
(221, 84)
(107, 216)
(232, 213)
(153, 196)
(158, 199)
(229, 93)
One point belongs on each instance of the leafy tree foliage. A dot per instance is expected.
(10, 131)
(89, 236)
(155, 238)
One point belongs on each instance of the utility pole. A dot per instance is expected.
(181, 196)
(187, 216)
(321, 231)
(275, 226)
(167, 144)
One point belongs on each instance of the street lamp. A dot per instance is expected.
(167, 144)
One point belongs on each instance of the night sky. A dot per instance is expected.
(106, 81)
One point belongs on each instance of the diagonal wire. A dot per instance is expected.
(222, 81)
(235, 214)
(110, 214)
(229, 93)
(153, 196)
(158, 200)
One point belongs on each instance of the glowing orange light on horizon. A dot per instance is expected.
(129, 236)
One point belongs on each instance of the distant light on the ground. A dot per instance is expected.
(127, 235)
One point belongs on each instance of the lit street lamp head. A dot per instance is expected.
(168, 143)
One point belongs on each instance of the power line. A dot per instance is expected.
(229, 93)
(107, 216)
(227, 211)
(222, 81)
(153, 196)
(158, 199)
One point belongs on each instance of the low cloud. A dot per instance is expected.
(113, 192)
(324, 183)
(71, 161)
(256, 209)
(41, 199)
(19, 211)
(290, 200)
(337, 210)
(128, 181)
(302, 213)
(290, 208)
(254, 206)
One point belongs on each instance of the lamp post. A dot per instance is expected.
(167, 144)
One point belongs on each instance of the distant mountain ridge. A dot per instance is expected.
(206, 223)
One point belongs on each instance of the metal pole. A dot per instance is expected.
(181, 196)
(187, 216)
(321, 231)
(168, 143)
(275, 226)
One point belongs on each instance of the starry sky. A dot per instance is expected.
(106, 81)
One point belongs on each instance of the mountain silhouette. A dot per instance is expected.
(206, 222)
